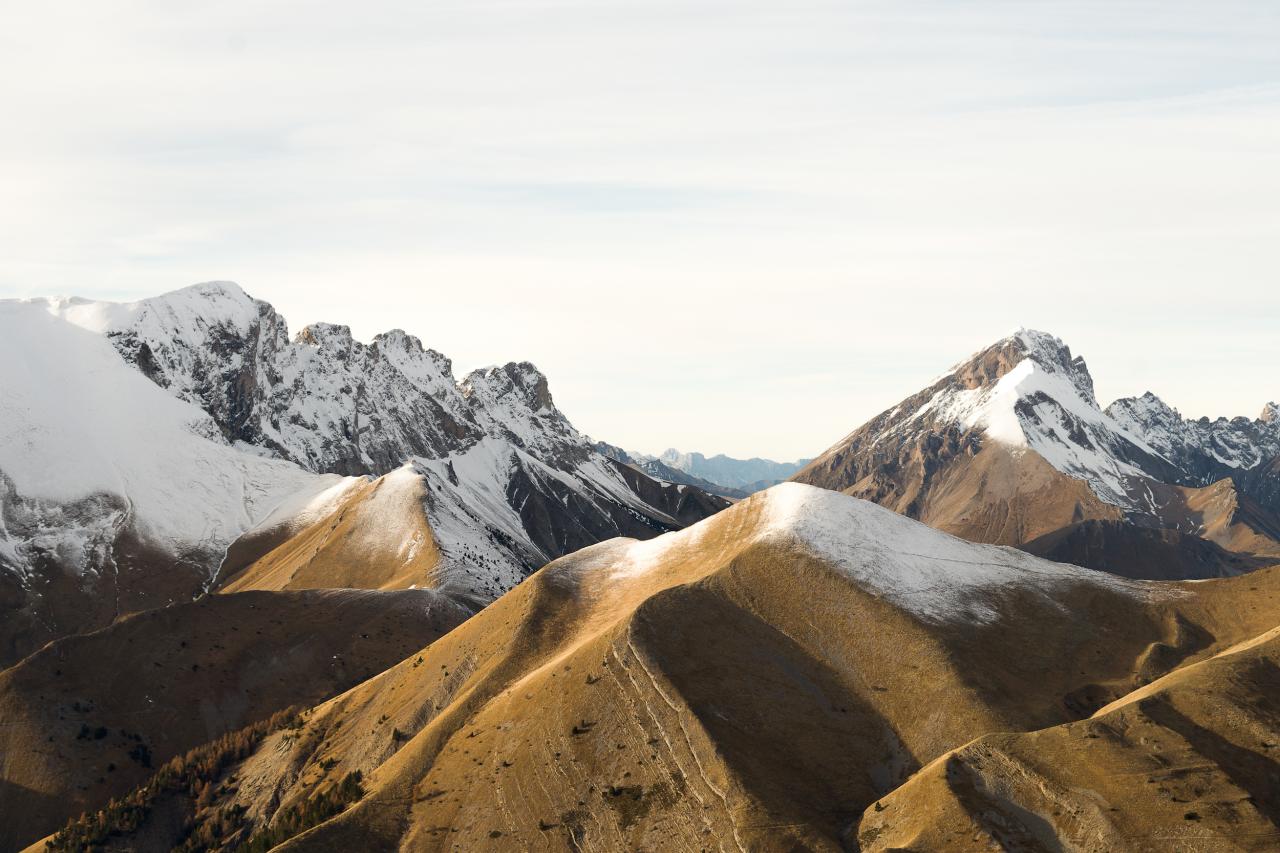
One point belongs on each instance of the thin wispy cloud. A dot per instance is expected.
(825, 202)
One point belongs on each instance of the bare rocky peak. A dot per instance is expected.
(989, 365)
(324, 399)
(1029, 391)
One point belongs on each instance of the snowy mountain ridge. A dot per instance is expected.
(322, 399)
(141, 440)
(1204, 450)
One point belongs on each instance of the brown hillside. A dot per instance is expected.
(88, 717)
(1191, 762)
(755, 682)
(374, 534)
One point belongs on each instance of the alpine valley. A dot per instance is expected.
(304, 593)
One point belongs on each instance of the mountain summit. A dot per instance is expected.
(1011, 446)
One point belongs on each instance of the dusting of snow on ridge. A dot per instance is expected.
(1045, 402)
(931, 574)
(479, 528)
(305, 508)
(397, 503)
(639, 558)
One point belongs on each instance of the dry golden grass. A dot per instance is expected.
(376, 537)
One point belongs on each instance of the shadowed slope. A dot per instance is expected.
(88, 717)
(1141, 552)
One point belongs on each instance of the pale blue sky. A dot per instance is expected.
(724, 226)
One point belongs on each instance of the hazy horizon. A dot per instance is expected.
(723, 227)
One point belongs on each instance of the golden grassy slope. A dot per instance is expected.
(728, 687)
(374, 536)
(1006, 497)
(1190, 762)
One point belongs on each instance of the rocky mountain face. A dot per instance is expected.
(1205, 451)
(801, 671)
(1011, 446)
(141, 440)
(324, 400)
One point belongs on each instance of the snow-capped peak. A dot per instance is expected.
(1028, 391)
(335, 405)
(996, 388)
(81, 426)
(1053, 356)
(187, 314)
(399, 339)
(1270, 413)
(522, 379)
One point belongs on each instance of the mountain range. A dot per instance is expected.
(263, 592)
(141, 441)
(719, 474)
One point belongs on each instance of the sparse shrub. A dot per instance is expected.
(300, 817)
(188, 776)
